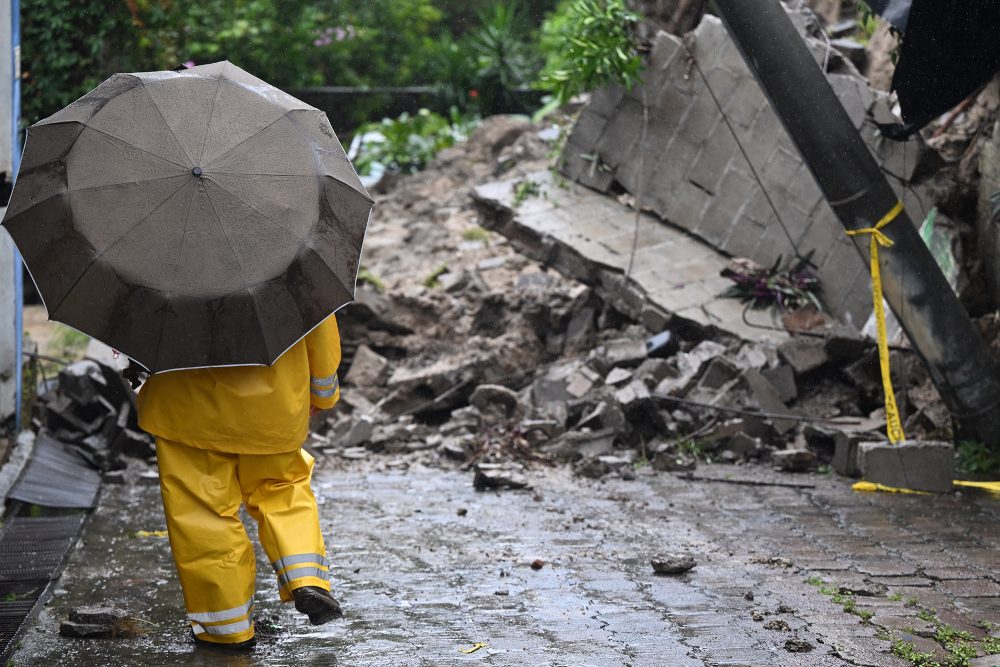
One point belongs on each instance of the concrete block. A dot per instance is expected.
(803, 353)
(845, 456)
(912, 464)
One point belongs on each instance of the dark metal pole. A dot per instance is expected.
(961, 366)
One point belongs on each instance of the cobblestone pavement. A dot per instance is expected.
(426, 566)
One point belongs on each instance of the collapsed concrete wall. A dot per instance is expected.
(695, 176)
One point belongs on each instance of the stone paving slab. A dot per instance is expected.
(588, 236)
(419, 580)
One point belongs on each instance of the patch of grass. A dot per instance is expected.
(524, 189)
(913, 602)
(814, 581)
(991, 645)
(906, 651)
(928, 615)
(367, 276)
(975, 458)
(895, 597)
(433, 280)
(477, 234)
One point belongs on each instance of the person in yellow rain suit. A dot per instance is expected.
(232, 436)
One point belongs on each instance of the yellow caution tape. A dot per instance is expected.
(872, 486)
(894, 426)
(150, 533)
(992, 487)
(474, 648)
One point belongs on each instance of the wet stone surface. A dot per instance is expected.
(418, 577)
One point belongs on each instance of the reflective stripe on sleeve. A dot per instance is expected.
(224, 615)
(329, 379)
(321, 390)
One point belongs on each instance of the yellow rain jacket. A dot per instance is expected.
(246, 409)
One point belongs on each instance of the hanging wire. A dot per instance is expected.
(743, 151)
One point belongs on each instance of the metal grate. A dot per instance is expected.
(32, 553)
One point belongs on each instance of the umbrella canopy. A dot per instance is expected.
(189, 219)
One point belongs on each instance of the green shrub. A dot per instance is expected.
(409, 142)
(588, 44)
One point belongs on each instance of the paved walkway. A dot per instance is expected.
(588, 236)
(425, 566)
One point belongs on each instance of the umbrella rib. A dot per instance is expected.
(164, 119)
(122, 141)
(208, 125)
(113, 244)
(255, 134)
(114, 185)
(243, 274)
(256, 210)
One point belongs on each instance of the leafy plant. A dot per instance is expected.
(409, 142)
(433, 280)
(975, 458)
(785, 288)
(369, 277)
(504, 60)
(588, 44)
(525, 189)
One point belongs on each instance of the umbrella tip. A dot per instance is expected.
(196, 171)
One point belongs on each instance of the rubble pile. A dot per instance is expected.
(91, 409)
(498, 363)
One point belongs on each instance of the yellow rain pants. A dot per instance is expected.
(232, 436)
(202, 493)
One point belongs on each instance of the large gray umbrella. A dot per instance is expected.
(188, 219)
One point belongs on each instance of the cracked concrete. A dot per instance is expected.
(420, 580)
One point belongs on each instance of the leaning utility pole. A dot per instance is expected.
(961, 366)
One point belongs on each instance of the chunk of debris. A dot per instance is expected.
(794, 460)
(798, 646)
(777, 624)
(495, 402)
(368, 368)
(768, 398)
(497, 476)
(911, 464)
(537, 564)
(598, 466)
(803, 353)
(672, 563)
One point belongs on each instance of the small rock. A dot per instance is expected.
(497, 476)
(359, 433)
(451, 448)
(798, 646)
(502, 591)
(672, 563)
(803, 353)
(624, 352)
(785, 609)
(84, 630)
(582, 381)
(793, 460)
(748, 596)
(618, 376)
(986, 661)
(537, 564)
(777, 624)
(354, 453)
(782, 379)
(97, 615)
(757, 616)
(368, 369)
(148, 477)
(113, 477)
(496, 401)
(462, 511)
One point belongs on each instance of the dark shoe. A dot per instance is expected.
(317, 604)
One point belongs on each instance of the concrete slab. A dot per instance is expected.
(921, 466)
(672, 270)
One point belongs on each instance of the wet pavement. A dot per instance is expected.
(425, 567)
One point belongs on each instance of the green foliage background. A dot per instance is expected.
(479, 51)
